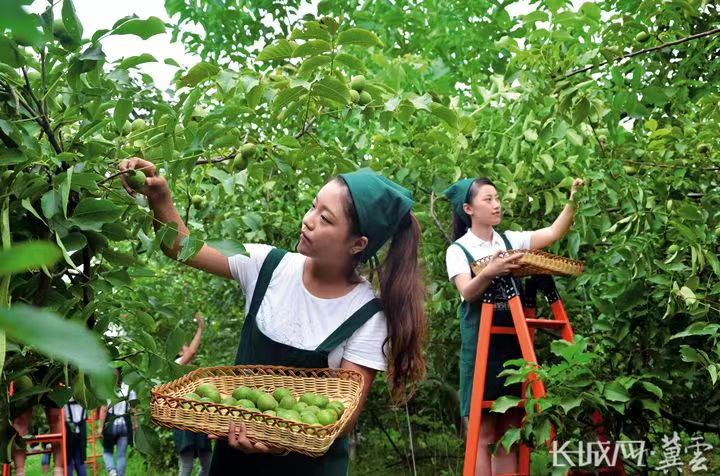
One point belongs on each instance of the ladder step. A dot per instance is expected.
(545, 324)
(47, 438)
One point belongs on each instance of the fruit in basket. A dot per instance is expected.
(288, 402)
(192, 396)
(230, 401)
(253, 396)
(309, 418)
(270, 412)
(245, 403)
(312, 408)
(301, 406)
(207, 390)
(337, 406)
(326, 417)
(207, 400)
(281, 393)
(266, 401)
(241, 393)
(321, 401)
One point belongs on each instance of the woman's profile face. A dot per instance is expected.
(485, 208)
(325, 231)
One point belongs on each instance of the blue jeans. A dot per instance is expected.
(121, 448)
(74, 456)
(186, 459)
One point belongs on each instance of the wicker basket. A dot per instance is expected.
(536, 262)
(171, 410)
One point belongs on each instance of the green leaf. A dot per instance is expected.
(28, 255)
(352, 62)
(23, 25)
(91, 213)
(333, 89)
(121, 112)
(311, 64)
(174, 342)
(616, 392)
(132, 61)
(504, 403)
(581, 111)
(9, 53)
(198, 73)
(228, 247)
(444, 113)
(253, 221)
(312, 48)
(652, 388)
(142, 28)
(311, 30)
(71, 21)
(358, 36)
(147, 441)
(93, 52)
(281, 50)
(65, 191)
(287, 96)
(568, 403)
(189, 247)
(510, 437)
(55, 337)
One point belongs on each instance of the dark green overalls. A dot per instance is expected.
(185, 440)
(502, 347)
(257, 349)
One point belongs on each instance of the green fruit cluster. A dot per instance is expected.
(358, 94)
(310, 408)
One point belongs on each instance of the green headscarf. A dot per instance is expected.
(380, 204)
(457, 193)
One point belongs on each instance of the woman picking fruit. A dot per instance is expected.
(313, 309)
(188, 444)
(476, 211)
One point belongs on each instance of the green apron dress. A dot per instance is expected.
(257, 349)
(502, 347)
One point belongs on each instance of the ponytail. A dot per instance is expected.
(402, 296)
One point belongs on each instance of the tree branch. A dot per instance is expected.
(436, 220)
(691, 424)
(643, 51)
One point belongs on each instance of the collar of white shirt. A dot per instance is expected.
(474, 240)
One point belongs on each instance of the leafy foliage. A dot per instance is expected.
(455, 89)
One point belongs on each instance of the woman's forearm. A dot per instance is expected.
(476, 287)
(165, 212)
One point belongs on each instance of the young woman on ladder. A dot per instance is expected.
(476, 211)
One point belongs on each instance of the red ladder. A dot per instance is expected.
(42, 439)
(525, 324)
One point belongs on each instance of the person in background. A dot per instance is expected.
(190, 445)
(118, 423)
(76, 434)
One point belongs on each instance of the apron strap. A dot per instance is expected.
(468, 256)
(266, 271)
(351, 324)
(508, 246)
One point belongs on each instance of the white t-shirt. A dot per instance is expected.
(457, 262)
(290, 315)
(121, 408)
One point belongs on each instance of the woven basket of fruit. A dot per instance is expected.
(300, 410)
(536, 262)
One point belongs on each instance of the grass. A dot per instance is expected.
(135, 467)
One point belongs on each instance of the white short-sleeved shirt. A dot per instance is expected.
(123, 406)
(291, 315)
(457, 262)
